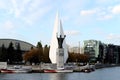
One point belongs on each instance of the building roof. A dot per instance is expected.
(25, 46)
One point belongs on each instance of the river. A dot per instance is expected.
(99, 74)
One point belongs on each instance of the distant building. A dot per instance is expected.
(106, 53)
(25, 46)
(91, 47)
(95, 49)
(113, 54)
(76, 49)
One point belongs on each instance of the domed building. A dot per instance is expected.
(24, 46)
(12, 50)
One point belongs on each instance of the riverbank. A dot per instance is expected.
(87, 68)
(99, 66)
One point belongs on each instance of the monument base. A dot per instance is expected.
(60, 58)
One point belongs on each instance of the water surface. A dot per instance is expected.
(100, 74)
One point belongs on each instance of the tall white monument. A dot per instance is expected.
(58, 30)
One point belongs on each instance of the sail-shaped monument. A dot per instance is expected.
(58, 49)
(58, 30)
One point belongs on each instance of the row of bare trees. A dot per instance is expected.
(77, 57)
(37, 55)
(41, 54)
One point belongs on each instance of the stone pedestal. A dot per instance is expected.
(60, 58)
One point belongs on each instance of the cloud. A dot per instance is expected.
(35, 4)
(106, 2)
(116, 9)
(73, 32)
(15, 9)
(28, 11)
(109, 12)
(8, 29)
(99, 31)
(105, 17)
(2, 4)
(71, 5)
(65, 18)
(35, 11)
(88, 12)
(32, 17)
(105, 13)
(8, 25)
(112, 36)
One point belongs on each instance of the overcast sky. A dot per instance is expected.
(33, 20)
